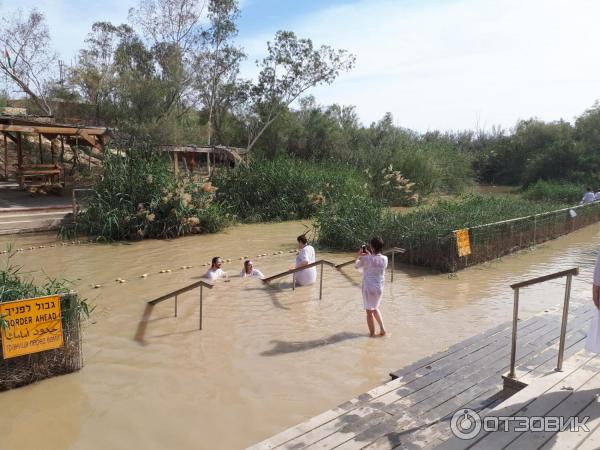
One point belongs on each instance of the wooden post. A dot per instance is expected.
(62, 159)
(175, 163)
(20, 159)
(5, 158)
(40, 147)
(208, 161)
(53, 149)
(175, 306)
(393, 264)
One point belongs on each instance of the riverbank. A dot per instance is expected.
(241, 372)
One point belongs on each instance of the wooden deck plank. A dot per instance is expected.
(387, 433)
(521, 399)
(586, 398)
(414, 410)
(548, 401)
(592, 441)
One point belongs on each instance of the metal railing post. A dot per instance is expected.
(175, 306)
(321, 283)
(563, 327)
(513, 348)
(200, 306)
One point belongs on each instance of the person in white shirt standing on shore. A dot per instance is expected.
(372, 264)
(588, 197)
(306, 255)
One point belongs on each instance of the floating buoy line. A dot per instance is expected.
(31, 248)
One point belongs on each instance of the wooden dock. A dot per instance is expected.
(414, 409)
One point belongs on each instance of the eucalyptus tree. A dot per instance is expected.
(94, 74)
(28, 60)
(218, 65)
(291, 68)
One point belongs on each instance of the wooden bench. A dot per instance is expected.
(50, 173)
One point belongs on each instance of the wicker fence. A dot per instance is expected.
(497, 239)
(22, 370)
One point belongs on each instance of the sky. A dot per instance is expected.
(434, 64)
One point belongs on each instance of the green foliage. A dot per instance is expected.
(348, 222)
(422, 226)
(554, 191)
(284, 188)
(13, 286)
(139, 197)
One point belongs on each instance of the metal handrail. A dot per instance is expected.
(570, 273)
(183, 290)
(320, 262)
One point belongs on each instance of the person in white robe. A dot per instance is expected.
(592, 343)
(306, 255)
(588, 197)
(249, 271)
(372, 264)
(215, 272)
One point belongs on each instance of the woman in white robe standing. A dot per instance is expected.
(373, 265)
(592, 343)
(306, 255)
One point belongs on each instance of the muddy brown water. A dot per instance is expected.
(268, 358)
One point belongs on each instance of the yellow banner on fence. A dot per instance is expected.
(34, 325)
(463, 245)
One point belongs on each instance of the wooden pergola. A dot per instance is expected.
(233, 155)
(13, 128)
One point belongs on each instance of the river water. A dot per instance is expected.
(267, 358)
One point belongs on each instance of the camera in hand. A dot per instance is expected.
(364, 249)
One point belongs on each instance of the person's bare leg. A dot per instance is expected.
(379, 319)
(370, 323)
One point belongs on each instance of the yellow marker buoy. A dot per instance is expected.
(145, 275)
(168, 270)
(122, 281)
(97, 286)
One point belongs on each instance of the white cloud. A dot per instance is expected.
(463, 63)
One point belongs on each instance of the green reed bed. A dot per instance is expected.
(285, 188)
(555, 191)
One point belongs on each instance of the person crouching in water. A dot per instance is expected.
(306, 256)
(373, 265)
(215, 272)
(250, 271)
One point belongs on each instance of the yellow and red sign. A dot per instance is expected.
(463, 244)
(34, 325)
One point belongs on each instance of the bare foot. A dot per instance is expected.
(372, 335)
(382, 333)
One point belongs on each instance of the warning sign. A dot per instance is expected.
(34, 325)
(463, 245)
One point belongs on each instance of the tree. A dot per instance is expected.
(291, 67)
(172, 31)
(94, 73)
(218, 65)
(28, 59)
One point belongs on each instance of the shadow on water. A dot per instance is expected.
(284, 347)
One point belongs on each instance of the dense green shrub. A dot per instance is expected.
(426, 224)
(554, 191)
(138, 196)
(284, 188)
